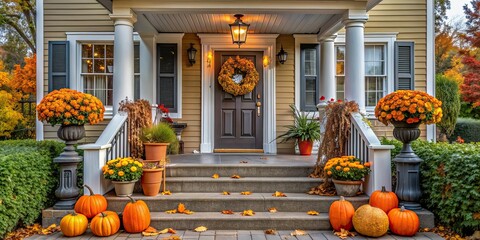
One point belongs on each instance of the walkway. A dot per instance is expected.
(236, 235)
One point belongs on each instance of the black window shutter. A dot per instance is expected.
(404, 65)
(58, 65)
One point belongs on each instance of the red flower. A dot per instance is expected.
(332, 100)
(339, 100)
(322, 98)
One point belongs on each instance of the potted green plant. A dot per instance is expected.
(124, 173)
(347, 173)
(305, 131)
(152, 178)
(156, 140)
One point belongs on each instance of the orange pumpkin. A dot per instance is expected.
(73, 224)
(384, 200)
(341, 213)
(403, 222)
(136, 216)
(91, 205)
(105, 224)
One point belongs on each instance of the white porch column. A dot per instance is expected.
(123, 84)
(328, 85)
(355, 59)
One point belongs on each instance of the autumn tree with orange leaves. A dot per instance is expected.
(471, 85)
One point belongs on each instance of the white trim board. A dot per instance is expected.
(220, 42)
(431, 129)
(40, 66)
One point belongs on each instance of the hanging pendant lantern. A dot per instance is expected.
(239, 30)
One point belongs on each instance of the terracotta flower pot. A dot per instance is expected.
(151, 181)
(347, 188)
(305, 147)
(155, 151)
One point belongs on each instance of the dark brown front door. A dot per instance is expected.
(238, 123)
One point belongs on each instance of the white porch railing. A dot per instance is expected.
(113, 143)
(364, 144)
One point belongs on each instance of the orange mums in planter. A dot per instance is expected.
(70, 107)
(409, 106)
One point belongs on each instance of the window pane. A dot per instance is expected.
(167, 59)
(136, 65)
(375, 89)
(99, 65)
(379, 55)
(167, 92)
(109, 51)
(87, 66)
(136, 51)
(369, 68)
(379, 68)
(310, 62)
(340, 68)
(87, 51)
(310, 99)
(136, 89)
(310, 84)
(370, 53)
(99, 51)
(109, 68)
(340, 52)
(88, 83)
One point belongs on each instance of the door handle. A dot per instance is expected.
(259, 104)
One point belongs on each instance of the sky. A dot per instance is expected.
(456, 10)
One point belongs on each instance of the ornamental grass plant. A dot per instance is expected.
(305, 127)
(409, 106)
(70, 107)
(123, 169)
(346, 168)
(158, 133)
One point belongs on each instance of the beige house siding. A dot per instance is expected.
(409, 19)
(72, 16)
(191, 95)
(285, 89)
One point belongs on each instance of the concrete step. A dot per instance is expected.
(260, 221)
(216, 202)
(252, 184)
(244, 170)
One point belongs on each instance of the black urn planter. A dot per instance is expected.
(67, 191)
(408, 166)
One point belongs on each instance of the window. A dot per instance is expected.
(167, 80)
(97, 70)
(375, 73)
(309, 80)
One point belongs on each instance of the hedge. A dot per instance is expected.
(468, 129)
(28, 179)
(450, 177)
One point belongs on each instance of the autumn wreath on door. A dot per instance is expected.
(238, 76)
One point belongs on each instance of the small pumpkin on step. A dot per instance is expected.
(340, 214)
(403, 222)
(384, 200)
(91, 205)
(136, 216)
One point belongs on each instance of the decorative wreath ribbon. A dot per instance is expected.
(235, 66)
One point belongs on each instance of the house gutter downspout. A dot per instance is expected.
(39, 75)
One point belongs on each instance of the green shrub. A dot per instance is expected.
(446, 90)
(450, 177)
(468, 111)
(468, 129)
(28, 179)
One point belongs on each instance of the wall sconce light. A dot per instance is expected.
(266, 61)
(192, 52)
(282, 56)
(209, 58)
(239, 30)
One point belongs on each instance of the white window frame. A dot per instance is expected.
(76, 39)
(175, 38)
(387, 39)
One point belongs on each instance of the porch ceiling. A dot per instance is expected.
(282, 23)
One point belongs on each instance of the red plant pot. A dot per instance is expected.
(305, 147)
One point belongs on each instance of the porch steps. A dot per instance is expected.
(192, 185)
